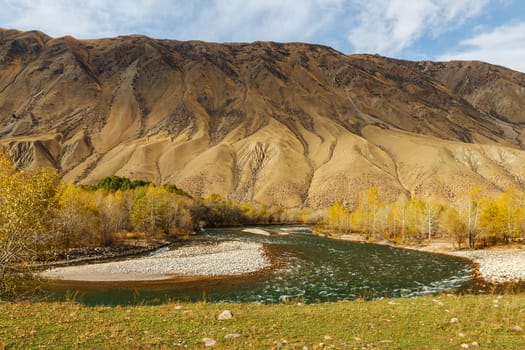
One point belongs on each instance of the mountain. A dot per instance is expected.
(283, 124)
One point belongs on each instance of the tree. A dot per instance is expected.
(454, 226)
(413, 218)
(113, 214)
(156, 210)
(500, 217)
(78, 220)
(27, 204)
(339, 217)
(431, 211)
(510, 203)
(149, 209)
(365, 216)
(469, 208)
(115, 183)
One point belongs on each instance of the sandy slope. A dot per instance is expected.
(281, 124)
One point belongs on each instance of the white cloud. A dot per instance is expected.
(212, 20)
(402, 28)
(390, 26)
(94, 18)
(277, 20)
(504, 45)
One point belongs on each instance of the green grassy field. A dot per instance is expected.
(416, 323)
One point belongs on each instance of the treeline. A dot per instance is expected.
(38, 210)
(117, 208)
(473, 220)
(87, 217)
(39, 215)
(117, 183)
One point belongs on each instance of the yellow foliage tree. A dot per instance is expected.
(501, 217)
(113, 213)
(364, 218)
(413, 219)
(149, 209)
(339, 217)
(454, 226)
(27, 204)
(78, 221)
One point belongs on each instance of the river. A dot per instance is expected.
(307, 268)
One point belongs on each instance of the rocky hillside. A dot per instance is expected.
(283, 124)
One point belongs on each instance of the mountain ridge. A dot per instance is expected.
(282, 124)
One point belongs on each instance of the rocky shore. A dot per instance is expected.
(218, 259)
(499, 266)
(100, 254)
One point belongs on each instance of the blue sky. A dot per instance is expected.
(487, 30)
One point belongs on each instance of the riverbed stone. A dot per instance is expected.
(223, 258)
(209, 342)
(232, 336)
(498, 266)
(225, 315)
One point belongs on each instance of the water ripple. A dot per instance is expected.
(310, 269)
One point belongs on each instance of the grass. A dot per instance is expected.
(415, 323)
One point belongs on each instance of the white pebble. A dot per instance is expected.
(209, 341)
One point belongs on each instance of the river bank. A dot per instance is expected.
(119, 250)
(205, 260)
(499, 264)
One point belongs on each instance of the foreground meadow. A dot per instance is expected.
(441, 322)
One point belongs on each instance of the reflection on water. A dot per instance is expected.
(308, 269)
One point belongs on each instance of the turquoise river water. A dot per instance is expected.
(308, 269)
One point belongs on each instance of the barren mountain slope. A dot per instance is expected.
(282, 124)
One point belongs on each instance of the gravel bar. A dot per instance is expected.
(498, 266)
(221, 259)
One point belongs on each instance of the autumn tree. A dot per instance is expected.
(501, 217)
(339, 217)
(113, 213)
(431, 211)
(365, 215)
(453, 225)
(469, 209)
(156, 210)
(149, 209)
(78, 222)
(27, 204)
(413, 219)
